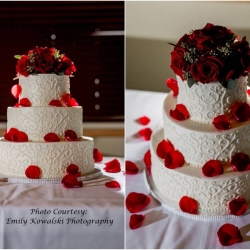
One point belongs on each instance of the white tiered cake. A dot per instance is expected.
(213, 135)
(41, 118)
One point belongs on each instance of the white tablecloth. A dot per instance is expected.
(161, 227)
(24, 208)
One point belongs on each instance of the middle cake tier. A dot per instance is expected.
(36, 122)
(199, 142)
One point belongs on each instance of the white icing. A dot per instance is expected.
(36, 122)
(200, 142)
(206, 101)
(42, 88)
(212, 194)
(52, 158)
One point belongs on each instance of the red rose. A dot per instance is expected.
(44, 60)
(66, 66)
(22, 64)
(187, 41)
(207, 69)
(212, 36)
(178, 63)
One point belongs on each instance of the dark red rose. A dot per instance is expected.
(44, 60)
(240, 162)
(178, 63)
(66, 66)
(212, 36)
(22, 66)
(206, 69)
(186, 41)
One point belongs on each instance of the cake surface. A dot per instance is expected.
(200, 153)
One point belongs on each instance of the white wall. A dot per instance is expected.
(151, 25)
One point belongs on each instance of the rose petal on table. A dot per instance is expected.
(136, 220)
(145, 133)
(70, 181)
(229, 234)
(131, 167)
(135, 202)
(112, 184)
(144, 120)
(113, 166)
(97, 155)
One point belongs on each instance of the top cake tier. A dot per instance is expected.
(204, 102)
(42, 88)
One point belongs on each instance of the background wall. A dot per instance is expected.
(151, 25)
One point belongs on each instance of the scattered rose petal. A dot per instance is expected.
(135, 202)
(212, 168)
(144, 120)
(240, 162)
(70, 135)
(24, 102)
(131, 167)
(20, 136)
(136, 220)
(113, 166)
(229, 234)
(33, 172)
(16, 90)
(73, 169)
(51, 137)
(222, 122)
(188, 205)
(238, 206)
(146, 133)
(55, 103)
(174, 159)
(112, 184)
(248, 91)
(164, 147)
(17, 105)
(97, 155)
(180, 113)
(240, 111)
(9, 135)
(173, 85)
(70, 181)
(147, 159)
(68, 101)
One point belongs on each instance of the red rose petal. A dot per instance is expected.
(51, 137)
(113, 166)
(173, 85)
(238, 206)
(146, 133)
(147, 159)
(136, 220)
(68, 101)
(229, 234)
(16, 90)
(163, 148)
(70, 135)
(17, 105)
(174, 159)
(131, 168)
(20, 136)
(180, 113)
(73, 170)
(55, 103)
(248, 91)
(72, 102)
(135, 202)
(222, 122)
(112, 184)
(70, 181)
(97, 155)
(188, 205)
(212, 168)
(9, 135)
(25, 102)
(33, 172)
(144, 120)
(240, 111)
(240, 162)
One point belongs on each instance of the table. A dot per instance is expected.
(163, 228)
(51, 216)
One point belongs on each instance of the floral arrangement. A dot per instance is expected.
(44, 60)
(213, 53)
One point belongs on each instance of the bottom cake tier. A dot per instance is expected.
(51, 157)
(213, 194)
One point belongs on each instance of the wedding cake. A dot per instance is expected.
(44, 136)
(200, 152)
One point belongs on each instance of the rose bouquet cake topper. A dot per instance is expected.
(43, 60)
(213, 53)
